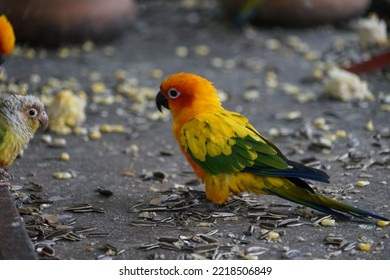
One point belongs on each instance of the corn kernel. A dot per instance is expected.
(328, 222)
(64, 157)
(341, 133)
(62, 175)
(95, 135)
(364, 247)
(362, 184)
(382, 223)
(273, 235)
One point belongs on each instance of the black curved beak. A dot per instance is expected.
(161, 100)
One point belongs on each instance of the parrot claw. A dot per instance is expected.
(7, 176)
(4, 184)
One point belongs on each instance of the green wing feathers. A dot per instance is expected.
(227, 143)
(7, 144)
(3, 129)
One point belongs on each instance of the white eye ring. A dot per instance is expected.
(32, 112)
(173, 93)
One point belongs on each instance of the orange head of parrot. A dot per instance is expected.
(186, 92)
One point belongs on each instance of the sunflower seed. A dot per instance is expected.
(166, 220)
(255, 250)
(52, 219)
(208, 239)
(97, 234)
(56, 234)
(143, 223)
(267, 225)
(152, 209)
(256, 214)
(206, 248)
(82, 206)
(169, 246)
(334, 240)
(150, 246)
(273, 216)
(347, 246)
(46, 251)
(104, 192)
(205, 225)
(72, 237)
(292, 254)
(290, 223)
(168, 239)
(35, 187)
(212, 232)
(84, 229)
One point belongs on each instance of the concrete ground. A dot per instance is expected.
(150, 206)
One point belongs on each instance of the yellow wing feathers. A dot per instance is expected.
(215, 134)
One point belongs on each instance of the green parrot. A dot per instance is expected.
(20, 117)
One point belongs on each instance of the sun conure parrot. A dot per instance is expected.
(230, 156)
(20, 117)
(7, 38)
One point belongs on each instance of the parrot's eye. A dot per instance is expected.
(173, 93)
(32, 112)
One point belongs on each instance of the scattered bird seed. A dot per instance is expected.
(64, 156)
(292, 254)
(346, 86)
(181, 51)
(362, 184)
(294, 115)
(347, 246)
(328, 222)
(382, 223)
(83, 208)
(273, 44)
(62, 175)
(202, 50)
(98, 234)
(104, 192)
(365, 247)
(318, 221)
(95, 134)
(370, 125)
(272, 235)
(58, 143)
(334, 239)
(251, 95)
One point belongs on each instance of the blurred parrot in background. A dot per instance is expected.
(228, 154)
(20, 117)
(7, 38)
(247, 11)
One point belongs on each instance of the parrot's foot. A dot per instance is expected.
(4, 184)
(6, 176)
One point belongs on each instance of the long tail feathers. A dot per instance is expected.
(308, 173)
(298, 191)
(297, 170)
